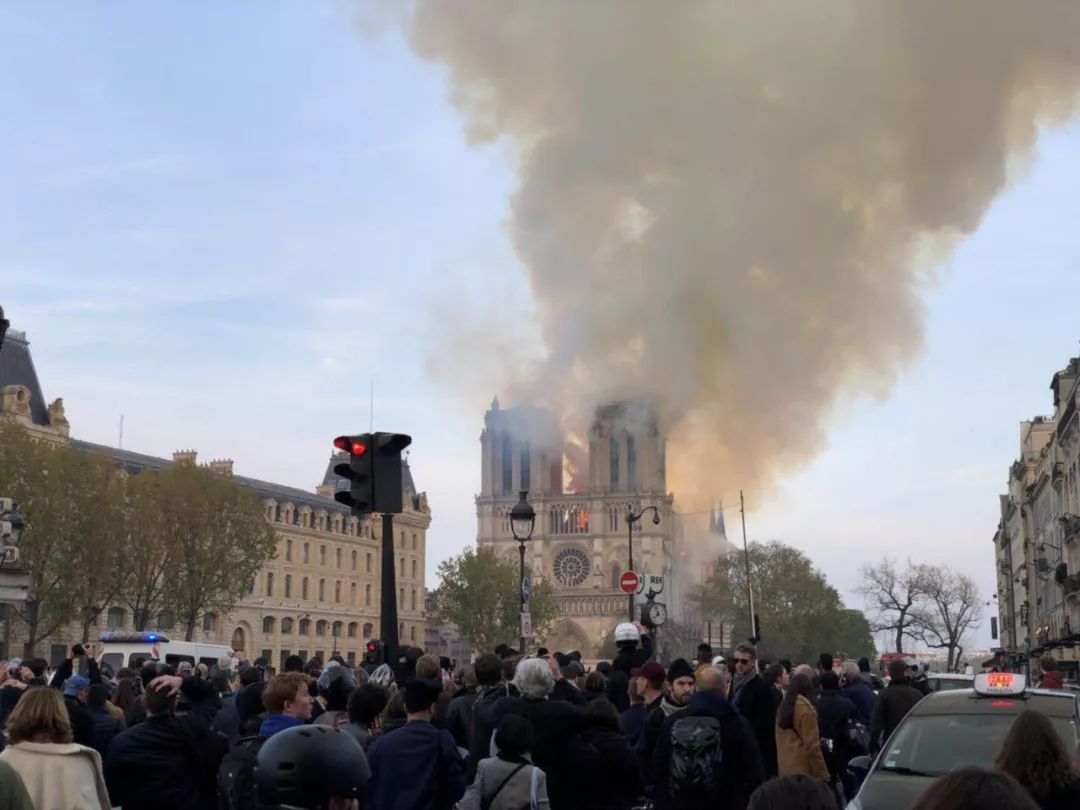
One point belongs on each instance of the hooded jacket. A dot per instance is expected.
(741, 768)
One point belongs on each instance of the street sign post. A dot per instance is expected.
(526, 625)
(630, 582)
(526, 589)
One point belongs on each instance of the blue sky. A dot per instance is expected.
(223, 224)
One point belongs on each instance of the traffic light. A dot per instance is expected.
(358, 471)
(374, 470)
(376, 652)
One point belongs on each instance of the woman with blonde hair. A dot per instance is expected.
(58, 774)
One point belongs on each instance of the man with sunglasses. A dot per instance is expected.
(753, 699)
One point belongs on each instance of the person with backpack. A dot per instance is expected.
(706, 756)
(288, 705)
(490, 688)
(510, 780)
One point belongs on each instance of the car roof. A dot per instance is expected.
(950, 676)
(964, 701)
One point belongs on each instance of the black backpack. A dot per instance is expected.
(236, 776)
(696, 757)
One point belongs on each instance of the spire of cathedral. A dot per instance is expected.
(718, 522)
(712, 518)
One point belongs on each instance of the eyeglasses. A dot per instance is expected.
(742, 660)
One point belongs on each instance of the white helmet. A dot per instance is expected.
(626, 632)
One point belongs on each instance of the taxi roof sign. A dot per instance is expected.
(1000, 683)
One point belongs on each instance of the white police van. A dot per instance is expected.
(129, 649)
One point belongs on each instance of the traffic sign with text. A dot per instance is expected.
(630, 582)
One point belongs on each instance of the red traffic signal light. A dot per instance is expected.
(372, 646)
(350, 445)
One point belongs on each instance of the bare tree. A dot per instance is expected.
(893, 597)
(951, 608)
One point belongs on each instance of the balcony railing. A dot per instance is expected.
(592, 605)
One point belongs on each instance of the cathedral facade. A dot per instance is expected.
(580, 540)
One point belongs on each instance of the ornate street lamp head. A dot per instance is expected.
(522, 518)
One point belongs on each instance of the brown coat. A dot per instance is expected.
(798, 749)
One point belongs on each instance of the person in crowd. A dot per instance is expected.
(824, 664)
(310, 767)
(561, 751)
(124, 699)
(681, 684)
(509, 668)
(293, 663)
(335, 685)
(857, 691)
(771, 676)
(595, 686)
(58, 774)
(288, 705)
(383, 675)
(168, 761)
(509, 780)
(706, 757)
(798, 742)
(704, 654)
(974, 789)
(13, 795)
(1051, 677)
(796, 792)
(891, 705)
(836, 713)
(633, 719)
(416, 765)
(490, 689)
(16, 681)
(459, 712)
(565, 687)
(394, 715)
(617, 777)
(429, 668)
(650, 678)
(366, 706)
(106, 727)
(917, 678)
(1035, 756)
(76, 691)
(870, 678)
(754, 700)
(634, 648)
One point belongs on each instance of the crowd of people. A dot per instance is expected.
(503, 732)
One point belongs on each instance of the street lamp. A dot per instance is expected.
(522, 522)
(4, 324)
(631, 519)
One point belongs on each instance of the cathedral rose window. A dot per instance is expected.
(571, 567)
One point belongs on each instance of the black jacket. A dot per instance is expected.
(616, 779)
(459, 716)
(564, 690)
(561, 749)
(626, 661)
(834, 710)
(169, 762)
(106, 727)
(741, 771)
(756, 701)
(650, 733)
(890, 707)
(483, 723)
(82, 722)
(1066, 799)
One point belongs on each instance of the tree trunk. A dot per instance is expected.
(189, 627)
(900, 625)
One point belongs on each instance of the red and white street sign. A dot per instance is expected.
(629, 582)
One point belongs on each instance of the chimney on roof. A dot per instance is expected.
(184, 457)
(221, 466)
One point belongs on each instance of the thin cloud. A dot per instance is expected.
(109, 172)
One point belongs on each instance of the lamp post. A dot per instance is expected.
(4, 324)
(522, 522)
(631, 519)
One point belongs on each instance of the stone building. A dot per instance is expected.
(319, 595)
(580, 542)
(1037, 542)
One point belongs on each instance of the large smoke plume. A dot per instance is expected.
(733, 209)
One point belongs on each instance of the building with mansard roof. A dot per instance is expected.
(319, 595)
(580, 541)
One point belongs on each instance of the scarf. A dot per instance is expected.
(740, 683)
(669, 707)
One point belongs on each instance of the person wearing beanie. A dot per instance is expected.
(416, 765)
(680, 683)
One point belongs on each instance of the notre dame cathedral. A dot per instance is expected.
(579, 543)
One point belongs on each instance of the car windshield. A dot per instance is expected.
(949, 685)
(937, 744)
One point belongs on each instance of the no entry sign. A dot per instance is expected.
(629, 582)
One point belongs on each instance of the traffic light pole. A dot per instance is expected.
(388, 620)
